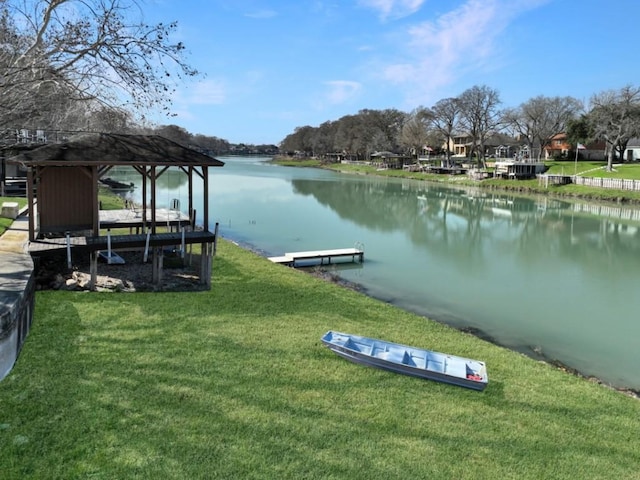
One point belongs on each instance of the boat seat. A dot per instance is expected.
(435, 363)
(395, 355)
(351, 345)
(408, 360)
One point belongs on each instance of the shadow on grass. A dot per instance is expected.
(235, 383)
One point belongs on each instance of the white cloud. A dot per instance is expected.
(462, 40)
(341, 91)
(393, 8)
(207, 92)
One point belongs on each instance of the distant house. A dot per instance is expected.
(632, 152)
(559, 146)
(497, 144)
(500, 145)
(460, 145)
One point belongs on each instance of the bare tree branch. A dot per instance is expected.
(615, 117)
(90, 50)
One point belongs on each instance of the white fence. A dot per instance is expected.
(617, 183)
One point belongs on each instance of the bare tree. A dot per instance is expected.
(445, 117)
(176, 133)
(299, 141)
(540, 118)
(480, 116)
(85, 50)
(211, 145)
(381, 128)
(350, 137)
(415, 131)
(323, 138)
(615, 117)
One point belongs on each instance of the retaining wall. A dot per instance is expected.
(17, 299)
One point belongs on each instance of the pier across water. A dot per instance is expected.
(292, 258)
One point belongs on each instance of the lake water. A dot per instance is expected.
(536, 274)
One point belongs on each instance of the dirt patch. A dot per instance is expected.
(52, 273)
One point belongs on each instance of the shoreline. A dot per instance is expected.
(516, 187)
(322, 273)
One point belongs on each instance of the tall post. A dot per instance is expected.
(31, 178)
(205, 181)
(153, 199)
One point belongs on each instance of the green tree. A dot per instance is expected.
(579, 130)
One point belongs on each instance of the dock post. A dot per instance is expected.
(69, 265)
(109, 246)
(93, 270)
(156, 263)
(146, 247)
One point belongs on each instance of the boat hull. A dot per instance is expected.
(406, 360)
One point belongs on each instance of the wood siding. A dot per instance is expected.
(65, 199)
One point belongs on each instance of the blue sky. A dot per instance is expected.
(270, 66)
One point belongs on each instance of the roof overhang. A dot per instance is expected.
(108, 149)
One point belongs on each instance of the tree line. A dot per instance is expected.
(95, 65)
(612, 116)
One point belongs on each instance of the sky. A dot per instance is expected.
(270, 66)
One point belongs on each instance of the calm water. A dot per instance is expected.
(555, 276)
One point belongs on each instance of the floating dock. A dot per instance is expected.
(292, 258)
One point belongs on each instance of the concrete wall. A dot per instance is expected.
(17, 297)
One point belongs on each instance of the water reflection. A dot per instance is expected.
(460, 221)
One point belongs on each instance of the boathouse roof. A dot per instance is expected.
(114, 149)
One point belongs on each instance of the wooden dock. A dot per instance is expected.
(132, 218)
(118, 242)
(292, 258)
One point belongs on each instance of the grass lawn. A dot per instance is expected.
(235, 383)
(629, 171)
(591, 169)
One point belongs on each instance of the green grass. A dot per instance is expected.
(6, 222)
(592, 169)
(307, 162)
(109, 200)
(235, 383)
(628, 171)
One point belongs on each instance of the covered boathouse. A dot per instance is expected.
(64, 210)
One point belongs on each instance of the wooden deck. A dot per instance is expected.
(133, 218)
(319, 255)
(118, 242)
